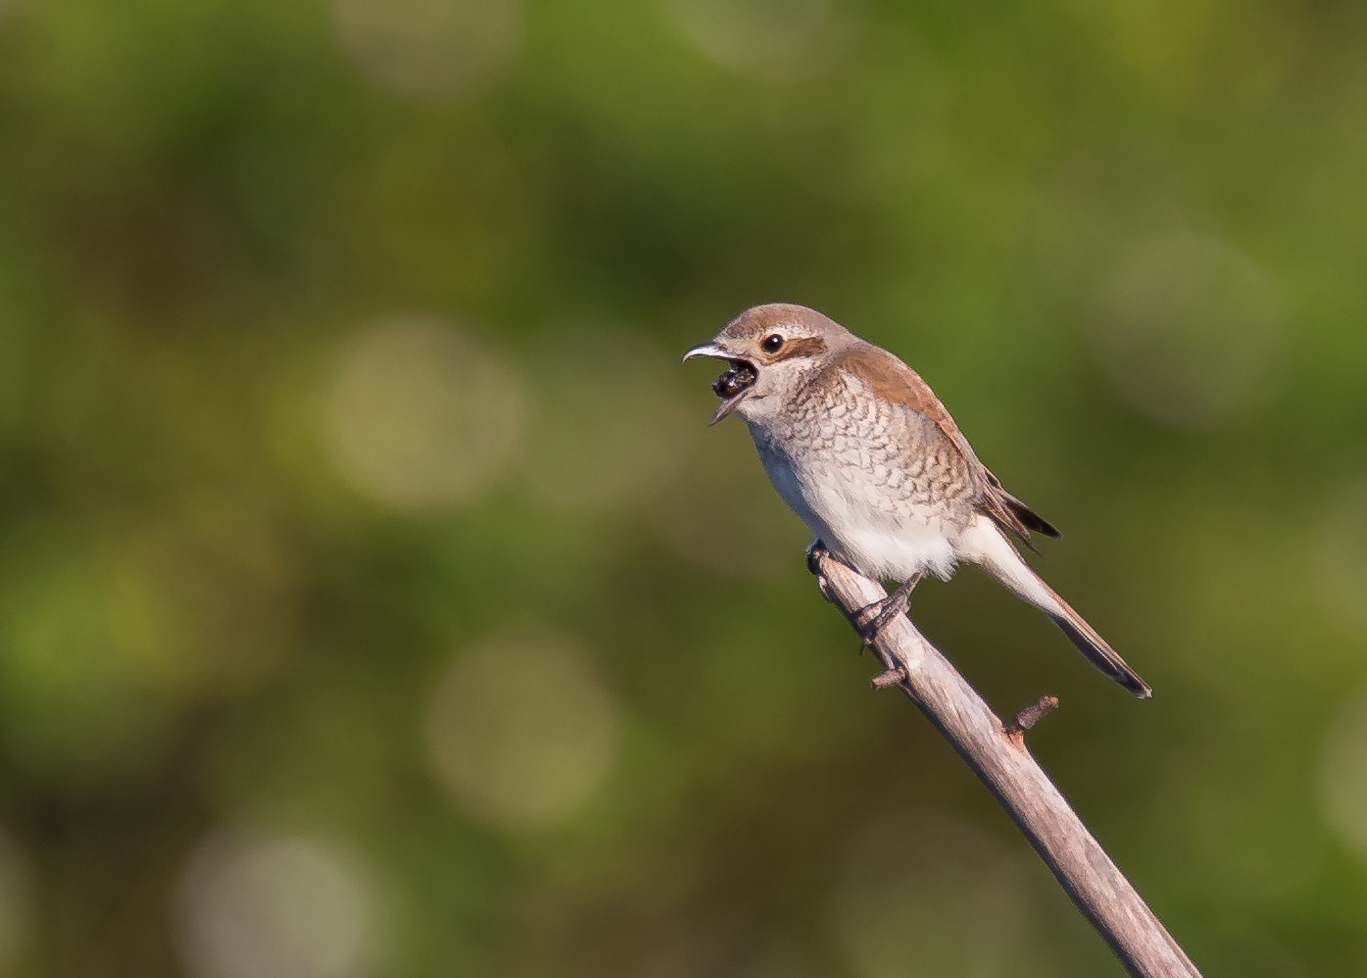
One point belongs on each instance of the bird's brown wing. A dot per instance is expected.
(894, 380)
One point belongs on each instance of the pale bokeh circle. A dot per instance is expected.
(419, 415)
(429, 47)
(1189, 331)
(775, 38)
(268, 906)
(1343, 775)
(521, 730)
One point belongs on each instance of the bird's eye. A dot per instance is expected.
(772, 343)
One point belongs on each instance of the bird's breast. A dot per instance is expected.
(876, 483)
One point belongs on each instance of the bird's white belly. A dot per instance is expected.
(850, 513)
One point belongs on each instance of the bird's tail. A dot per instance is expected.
(991, 551)
(1097, 650)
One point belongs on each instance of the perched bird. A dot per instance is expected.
(864, 452)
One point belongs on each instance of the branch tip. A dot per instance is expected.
(889, 677)
(1032, 715)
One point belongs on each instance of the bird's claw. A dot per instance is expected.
(872, 619)
(815, 553)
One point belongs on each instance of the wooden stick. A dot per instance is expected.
(999, 757)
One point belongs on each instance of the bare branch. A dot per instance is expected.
(999, 757)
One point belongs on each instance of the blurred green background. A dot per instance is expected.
(374, 600)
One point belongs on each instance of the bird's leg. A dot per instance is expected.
(872, 619)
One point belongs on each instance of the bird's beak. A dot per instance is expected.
(734, 384)
(706, 350)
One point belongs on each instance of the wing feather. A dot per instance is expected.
(893, 379)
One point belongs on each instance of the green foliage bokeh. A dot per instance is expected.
(352, 498)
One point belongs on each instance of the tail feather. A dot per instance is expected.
(987, 546)
(1097, 650)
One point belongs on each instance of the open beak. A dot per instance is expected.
(728, 386)
(708, 349)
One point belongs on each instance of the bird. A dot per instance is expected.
(860, 448)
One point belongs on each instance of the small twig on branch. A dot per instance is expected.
(888, 677)
(999, 757)
(1032, 715)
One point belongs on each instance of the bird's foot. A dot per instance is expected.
(815, 554)
(872, 619)
(815, 551)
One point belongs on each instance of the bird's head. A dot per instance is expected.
(770, 352)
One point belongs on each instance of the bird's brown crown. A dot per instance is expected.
(781, 331)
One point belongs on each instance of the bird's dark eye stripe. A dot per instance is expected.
(803, 346)
(772, 343)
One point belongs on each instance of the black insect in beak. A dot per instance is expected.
(734, 382)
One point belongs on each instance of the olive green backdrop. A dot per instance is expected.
(374, 600)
